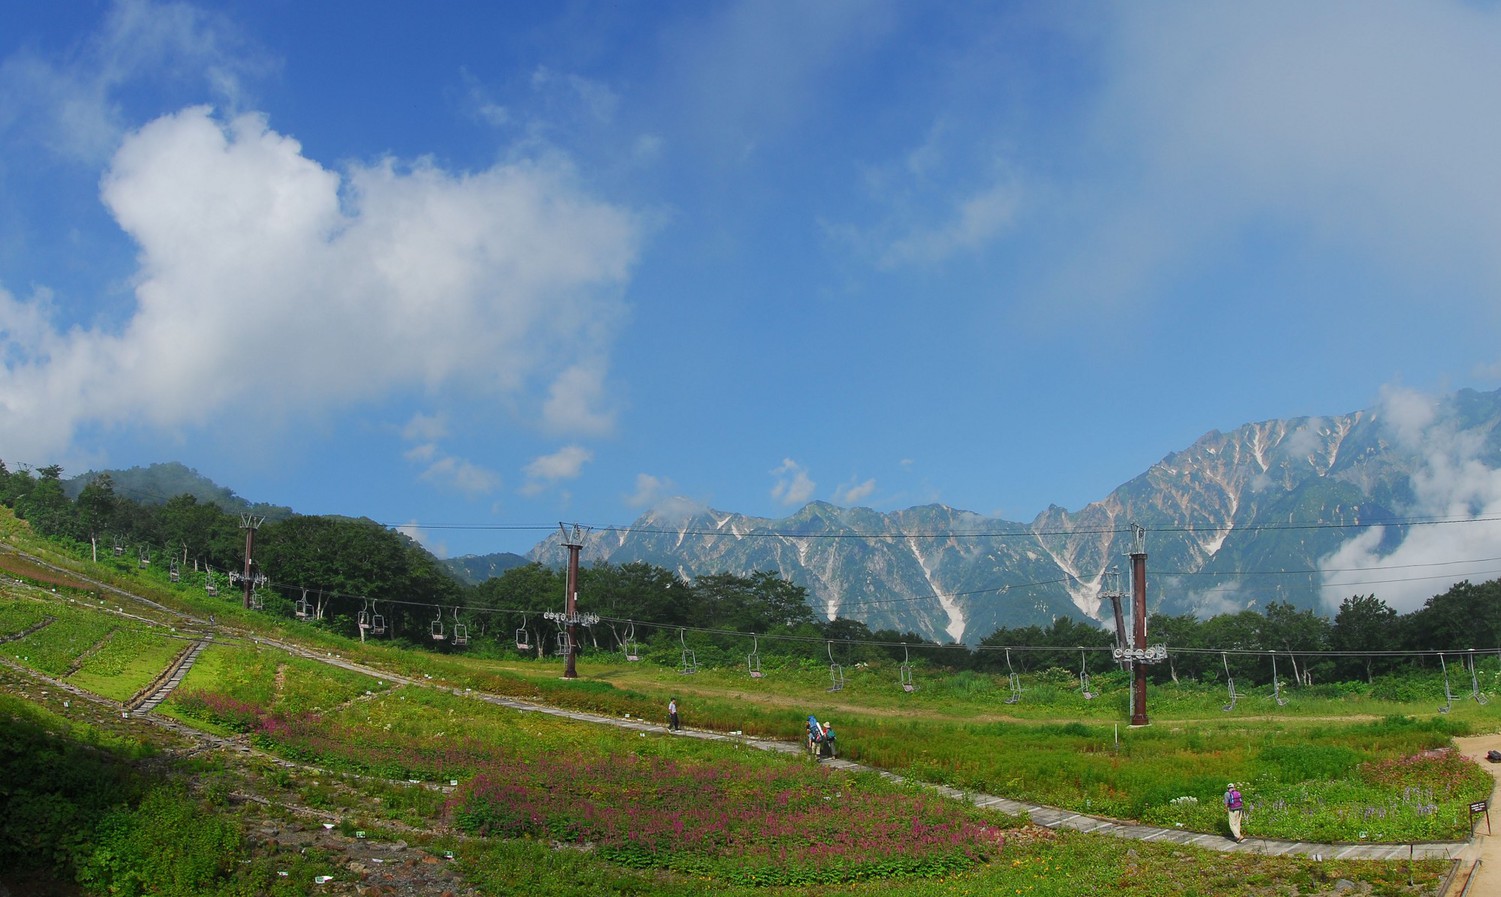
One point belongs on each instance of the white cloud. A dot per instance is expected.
(574, 402)
(422, 536)
(564, 464)
(460, 475)
(649, 491)
(967, 224)
(342, 289)
(425, 427)
(851, 494)
(793, 485)
(1452, 482)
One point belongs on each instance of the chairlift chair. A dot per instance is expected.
(1448, 695)
(836, 671)
(1084, 677)
(363, 621)
(523, 637)
(460, 630)
(301, 609)
(629, 647)
(1015, 681)
(208, 582)
(1475, 692)
(1277, 684)
(1231, 681)
(255, 600)
(564, 645)
(690, 660)
(173, 572)
(119, 548)
(437, 627)
(377, 621)
(906, 671)
(145, 555)
(753, 661)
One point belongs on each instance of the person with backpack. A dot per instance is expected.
(1233, 808)
(829, 748)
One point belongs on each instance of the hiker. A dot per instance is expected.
(815, 735)
(672, 715)
(1232, 807)
(828, 741)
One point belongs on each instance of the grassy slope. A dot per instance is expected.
(940, 732)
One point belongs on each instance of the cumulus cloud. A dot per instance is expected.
(1452, 482)
(793, 486)
(343, 288)
(564, 464)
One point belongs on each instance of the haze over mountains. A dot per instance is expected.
(1400, 501)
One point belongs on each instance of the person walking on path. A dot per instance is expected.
(672, 715)
(815, 735)
(1232, 807)
(830, 750)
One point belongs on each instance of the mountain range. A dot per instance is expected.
(1307, 511)
(1236, 520)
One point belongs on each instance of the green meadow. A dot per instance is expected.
(526, 801)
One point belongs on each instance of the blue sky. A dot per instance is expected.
(500, 265)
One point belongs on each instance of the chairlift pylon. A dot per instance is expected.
(906, 670)
(1230, 680)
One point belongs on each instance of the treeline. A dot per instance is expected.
(339, 572)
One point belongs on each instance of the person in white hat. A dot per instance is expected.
(1232, 807)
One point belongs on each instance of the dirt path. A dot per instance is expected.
(1484, 847)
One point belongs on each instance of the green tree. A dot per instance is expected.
(524, 594)
(1287, 629)
(1466, 616)
(1364, 626)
